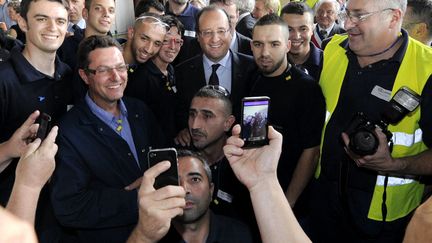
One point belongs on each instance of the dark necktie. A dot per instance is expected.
(323, 34)
(214, 79)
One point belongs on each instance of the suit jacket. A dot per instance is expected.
(192, 48)
(245, 25)
(94, 164)
(190, 78)
(317, 38)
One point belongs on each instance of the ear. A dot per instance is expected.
(85, 14)
(421, 29)
(22, 23)
(211, 189)
(396, 18)
(130, 33)
(83, 75)
(288, 46)
(229, 123)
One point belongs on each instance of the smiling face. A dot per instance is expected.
(147, 40)
(213, 44)
(99, 17)
(326, 14)
(300, 32)
(171, 46)
(46, 25)
(107, 88)
(270, 46)
(375, 33)
(199, 190)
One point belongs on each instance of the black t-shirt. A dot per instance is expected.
(356, 96)
(297, 110)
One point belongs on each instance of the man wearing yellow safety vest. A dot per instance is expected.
(369, 198)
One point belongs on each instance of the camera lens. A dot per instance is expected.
(363, 142)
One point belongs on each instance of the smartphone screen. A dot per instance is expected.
(254, 121)
(169, 177)
(44, 126)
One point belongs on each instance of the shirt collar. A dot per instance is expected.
(224, 62)
(102, 114)
(27, 73)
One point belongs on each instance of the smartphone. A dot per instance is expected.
(169, 177)
(44, 126)
(254, 121)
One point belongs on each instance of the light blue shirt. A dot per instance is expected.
(4, 15)
(111, 121)
(224, 71)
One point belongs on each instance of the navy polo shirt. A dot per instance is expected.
(187, 18)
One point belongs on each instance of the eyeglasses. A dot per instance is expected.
(356, 17)
(177, 42)
(219, 89)
(210, 33)
(154, 20)
(104, 70)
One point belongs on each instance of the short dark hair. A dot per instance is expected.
(88, 3)
(173, 22)
(210, 9)
(216, 92)
(271, 19)
(144, 6)
(299, 8)
(25, 6)
(422, 12)
(194, 154)
(92, 43)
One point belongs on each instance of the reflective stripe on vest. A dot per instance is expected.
(403, 195)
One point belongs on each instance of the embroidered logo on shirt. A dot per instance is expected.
(41, 98)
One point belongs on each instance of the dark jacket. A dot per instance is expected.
(94, 164)
(190, 78)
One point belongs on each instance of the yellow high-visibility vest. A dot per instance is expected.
(403, 193)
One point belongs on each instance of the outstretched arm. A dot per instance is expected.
(256, 168)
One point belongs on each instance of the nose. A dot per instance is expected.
(348, 24)
(265, 50)
(295, 34)
(104, 12)
(149, 46)
(184, 184)
(51, 24)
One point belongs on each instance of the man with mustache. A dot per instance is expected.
(199, 223)
(297, 106)
(103, 144)
(370, 198)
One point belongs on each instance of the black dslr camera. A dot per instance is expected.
(361, 130)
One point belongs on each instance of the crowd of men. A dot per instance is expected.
(177, 80)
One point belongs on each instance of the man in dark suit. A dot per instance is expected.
(234, 71)
(239, 43)
(245, 21)
(326, 14)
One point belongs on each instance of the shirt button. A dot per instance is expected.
(359, 73)
(129, 154)
(142, 150)
(101, 129)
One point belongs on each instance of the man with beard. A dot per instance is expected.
(198, 223)
(303, 53)
(154, 82)
(297, 104)
(146, 38)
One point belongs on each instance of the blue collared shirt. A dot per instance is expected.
(223, 72)
(111, 121)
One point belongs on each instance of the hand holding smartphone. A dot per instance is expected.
(169, 177)
(254, 121)
(44, 126)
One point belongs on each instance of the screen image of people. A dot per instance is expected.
(255, 119)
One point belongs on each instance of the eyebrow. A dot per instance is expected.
(48, 17)
(194, 174)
